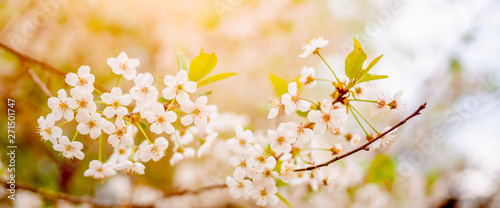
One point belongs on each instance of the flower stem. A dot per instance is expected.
(328, 66)
(100, 148)
(359, 122)
(144, 133)
(62, 124)
(169, 106)
(323, 149)
(118, 81)
(311, 102)
(368, 101)
(364, 119)
(98, 91)
(74, 137)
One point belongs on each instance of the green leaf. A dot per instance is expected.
(163, 100)
(370, 66)
(354, 61)
(302, 113)
(279, 84)
(283, 199)
(182, 61)
(382, 170)
(203, 93)
(202, 65)
(370, 77)
(215, 78)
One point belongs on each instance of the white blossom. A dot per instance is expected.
(384, 142)
(398, 103)
(90, 124)
(313, 46)
(178, 87)
(98, 170)
(129, 167)
(241, 142)
(307, 76)
(124, 65)
(62, 105)
(259, 161)
(116, 101)
(143, 92)
(82, 80)
(275, 106)
(265, 193)
(84, 100)
(286, 171)
(380, 105)
(207, 144)
(293, 101)
(197, 112)
(328, 116)
(47, 129)
(122, 134)
(69, 149)
(304, 135)
(239, 188)
(120, 153)
(283, 137)
(160, 119)
(155, 151)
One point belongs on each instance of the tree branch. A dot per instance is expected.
(44, 65)
(365, 146)
(54, 196)
(39, 82)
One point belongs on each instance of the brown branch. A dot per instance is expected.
(54, 196)
(196, 191)
(39, 82)
(44, 65)
(33, 60)
(365, 146)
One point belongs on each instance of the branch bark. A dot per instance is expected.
(365, 146)
(54, 196)
(44, 65)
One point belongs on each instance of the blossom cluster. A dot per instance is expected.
(260, 165)
(120, 115)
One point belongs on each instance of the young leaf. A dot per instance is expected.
(280, 85)
(182, 61)
(203, 93)
(163, 100)
(215, 78)
(202, 65)
(370, 77)
(354, 61)
(283, 199)
(382, 170)
(302, 113)
(372, 63)
(370, 66)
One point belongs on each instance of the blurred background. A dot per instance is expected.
(443, 52)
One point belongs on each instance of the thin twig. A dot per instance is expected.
(39, 82)
(44, 65)
(54, 196)
(365, 146)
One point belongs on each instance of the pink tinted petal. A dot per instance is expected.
(113, 63)
(182, 76)
(129, 74)
(133, 62)
(71, 79)
(201, 101)
(187, 119)
(169, 93)
(190, 86)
